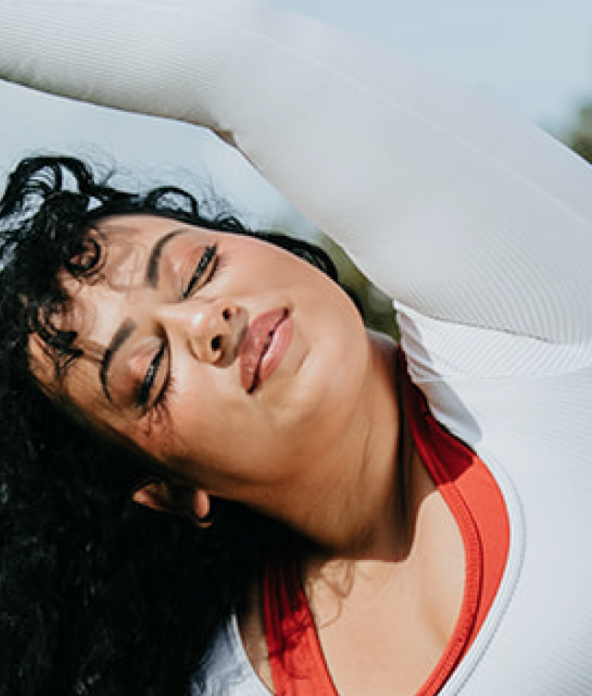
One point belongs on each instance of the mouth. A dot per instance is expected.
(264, 345)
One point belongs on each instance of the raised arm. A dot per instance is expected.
(453, 208)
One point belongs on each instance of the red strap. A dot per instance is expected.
(295, 656)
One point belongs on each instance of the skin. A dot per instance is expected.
(331, 397)
(314, 445)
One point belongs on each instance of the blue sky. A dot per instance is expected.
(533, 55)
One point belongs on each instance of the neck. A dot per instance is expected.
(360, 509)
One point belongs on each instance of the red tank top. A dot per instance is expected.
(296, 658)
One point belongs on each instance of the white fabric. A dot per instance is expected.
(227, 670)
(479, 227)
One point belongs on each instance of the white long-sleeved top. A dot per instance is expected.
(478, 226)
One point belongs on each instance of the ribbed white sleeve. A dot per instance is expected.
(484, 221)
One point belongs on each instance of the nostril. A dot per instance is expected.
(216, 343)
(226, 314)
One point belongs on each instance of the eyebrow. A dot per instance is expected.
(152, 266)
(119, 338)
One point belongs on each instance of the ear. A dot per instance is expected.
(155, 495)
(176, 500)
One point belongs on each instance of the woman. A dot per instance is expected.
(95, 594)
(432, 564)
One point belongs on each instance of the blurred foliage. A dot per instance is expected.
(580, 136)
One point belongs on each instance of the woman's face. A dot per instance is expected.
(227, 359)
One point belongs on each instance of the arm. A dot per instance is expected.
(455, 210)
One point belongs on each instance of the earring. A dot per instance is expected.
(204, 522)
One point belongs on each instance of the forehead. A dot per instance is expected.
(128, 240)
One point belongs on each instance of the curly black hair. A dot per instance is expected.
(98, 596)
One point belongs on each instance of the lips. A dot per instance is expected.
(264, 345)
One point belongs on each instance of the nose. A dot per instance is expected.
(208, 328)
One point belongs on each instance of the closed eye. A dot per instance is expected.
(203, 265)
(145, 389)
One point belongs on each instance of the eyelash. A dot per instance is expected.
(204, 263)
(143, 393)
(160, 406)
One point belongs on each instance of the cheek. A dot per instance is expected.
(191, 426)
(337, 366)
(219, 440)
